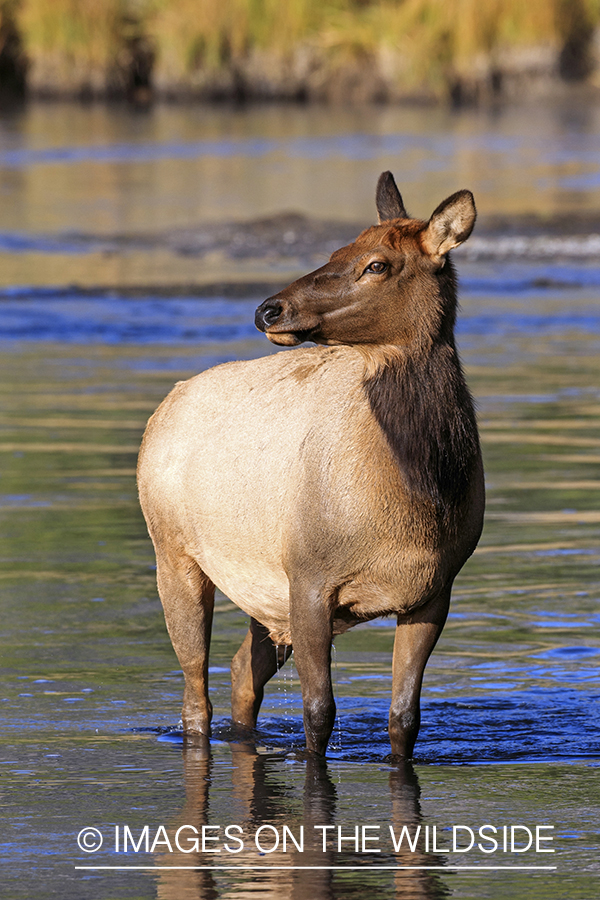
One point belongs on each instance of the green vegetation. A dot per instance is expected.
(312, 48)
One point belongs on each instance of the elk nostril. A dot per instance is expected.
(272, 313)
(267, 314)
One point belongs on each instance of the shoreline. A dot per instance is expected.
(372, 51)
(352, 86)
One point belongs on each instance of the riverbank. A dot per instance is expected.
(362, 51)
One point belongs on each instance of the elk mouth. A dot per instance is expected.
(290, 338)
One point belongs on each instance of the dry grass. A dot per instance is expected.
(207, 34)
(429, 40)
(70, 42)
(459, 36)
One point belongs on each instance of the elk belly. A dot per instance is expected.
(259, 590)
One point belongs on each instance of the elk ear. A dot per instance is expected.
(388, 199)
(450, 225)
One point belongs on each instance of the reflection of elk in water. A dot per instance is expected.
(255, 798)
(327, 486)
(256, 789)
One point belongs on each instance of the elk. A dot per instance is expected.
(328, 485)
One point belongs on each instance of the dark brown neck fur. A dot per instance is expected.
(423, 406)
(425, 410)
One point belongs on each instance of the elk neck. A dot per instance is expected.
(419, 397)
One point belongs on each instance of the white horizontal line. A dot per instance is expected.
(322, 868)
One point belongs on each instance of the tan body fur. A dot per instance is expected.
(239, 413)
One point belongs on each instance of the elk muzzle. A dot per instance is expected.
(281, 326)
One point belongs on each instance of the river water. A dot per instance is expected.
(121, 273)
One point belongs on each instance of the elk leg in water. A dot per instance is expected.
(312, 634)
(187, 596)
(416, 636)
(253, 665)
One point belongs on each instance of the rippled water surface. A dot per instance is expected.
(90, 687)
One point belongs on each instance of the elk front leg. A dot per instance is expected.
(253, 665)
(312, 633)
(416, 636)
(187, 596)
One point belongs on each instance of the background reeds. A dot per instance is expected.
(327, 49)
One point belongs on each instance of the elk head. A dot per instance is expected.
(391, 286)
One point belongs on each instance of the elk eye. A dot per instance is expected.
(376, 268)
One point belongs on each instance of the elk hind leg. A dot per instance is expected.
(253, 665)
(187, 596)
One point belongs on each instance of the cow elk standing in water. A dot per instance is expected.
(326, 486)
